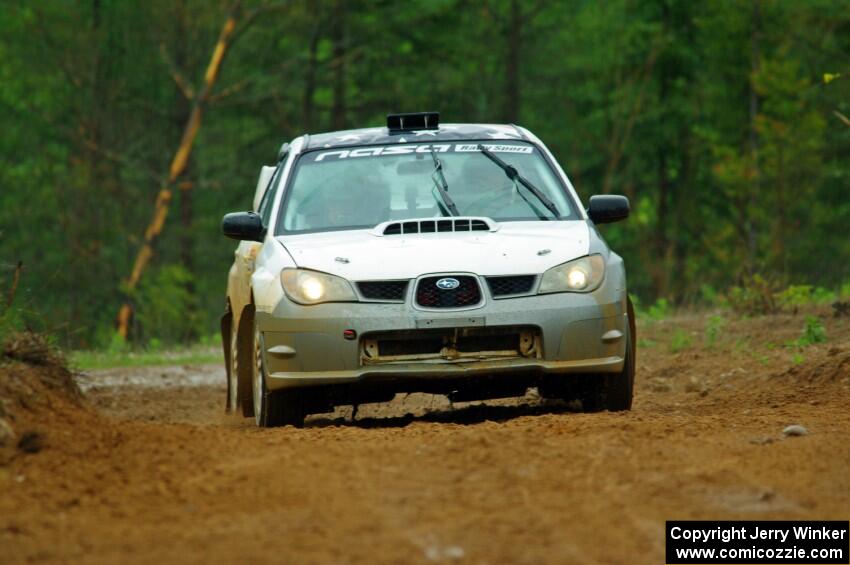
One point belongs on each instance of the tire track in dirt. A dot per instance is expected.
(157, 472)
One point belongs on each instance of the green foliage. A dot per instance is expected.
(660, 310)
(117, 345)
(193, 355)
(645, 343)
(797, 296)
(813, 332)
(210, 340)
(822, 296)
(10, 322)
(167, 308)
(733, 157)
(755, 297)
(713, 327)
(681, 340)
(11, 319)
(709, 296)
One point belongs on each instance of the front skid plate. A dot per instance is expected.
(442, 369)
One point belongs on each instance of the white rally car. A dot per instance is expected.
(447, 258)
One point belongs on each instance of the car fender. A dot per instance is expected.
(266, 287)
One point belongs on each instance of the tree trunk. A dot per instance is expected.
(661, 243)
(512, 66)
(338, 118)
(13, 289)
(178, 166)
(89, 175)
(184, 109)
(755, 189)
(622, 131)
(781, 211)
(308, 103)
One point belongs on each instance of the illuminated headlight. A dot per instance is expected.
(580, 275)
(313, 287)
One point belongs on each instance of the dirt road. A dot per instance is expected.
(153, 471)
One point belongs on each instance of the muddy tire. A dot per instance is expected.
(272, 409)
(245, 365)
(232, 402)
(613, 391)
(228, 346)
(620, 386)
(592, 392)
(282, 408)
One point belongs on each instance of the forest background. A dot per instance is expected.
(727, 124)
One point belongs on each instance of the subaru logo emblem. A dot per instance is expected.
(448, 283)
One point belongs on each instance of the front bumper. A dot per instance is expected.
(580, 333)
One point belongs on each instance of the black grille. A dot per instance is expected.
(383, 290)
(433, 226)
(467, 293)
(506, 286)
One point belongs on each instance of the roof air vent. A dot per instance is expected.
(398, 123)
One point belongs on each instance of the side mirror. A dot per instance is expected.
(607, 208)
(244, 226)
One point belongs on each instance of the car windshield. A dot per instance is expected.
(358, 188)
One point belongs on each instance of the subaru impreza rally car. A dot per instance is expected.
(446, 258)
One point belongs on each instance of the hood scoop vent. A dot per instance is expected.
(430, 225)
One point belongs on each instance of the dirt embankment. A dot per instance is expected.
(35, 389)
(146, 467)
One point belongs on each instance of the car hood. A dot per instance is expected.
(514, 248)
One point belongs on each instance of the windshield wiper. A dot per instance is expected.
(442, 186)
(514, 175)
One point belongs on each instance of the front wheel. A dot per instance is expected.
(614, 391)
(278, 408)
(233, 372)
(243, 367)
(620, 386)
